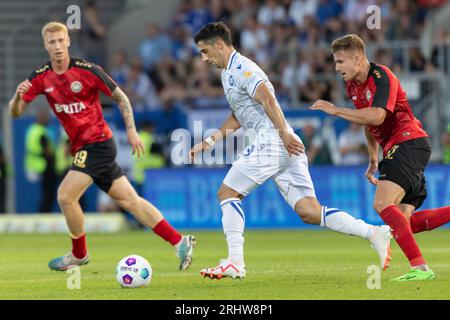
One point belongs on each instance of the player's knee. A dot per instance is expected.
(226, 193)
(64, 199)
(379, 206)
(308, 210)
(309, 217)
(305, 216)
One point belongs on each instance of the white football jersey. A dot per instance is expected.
(240, 80)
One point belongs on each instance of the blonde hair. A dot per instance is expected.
(348, 42)
(54, 26)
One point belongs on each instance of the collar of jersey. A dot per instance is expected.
(230, 63)
(373, 65)
(71, 63)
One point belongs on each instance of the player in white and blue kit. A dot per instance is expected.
(274, 152)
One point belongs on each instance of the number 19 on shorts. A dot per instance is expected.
(80, 159)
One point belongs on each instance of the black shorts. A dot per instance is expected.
(404, 164)
(98, 161)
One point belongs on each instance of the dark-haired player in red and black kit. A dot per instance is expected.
(72, 88)
(383, 108)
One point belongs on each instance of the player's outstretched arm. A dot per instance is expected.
(17, 105)
(372, 147)
(127, 113)
(270, 104)
(230, 125)
(373, 116)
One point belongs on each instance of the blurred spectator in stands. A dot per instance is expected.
(441, 46)
(270, 13)
(193, 15)
(241, 11)
(282, 41)
(328, 9)
(121, 67)
(219, 11)
(300, 9)
(40, 159)
(402, 29)
(403, 22)
(310, 35)
(154, 48)
(356, 10)
(153, 157)
(203, 84)
(93, 34)
(298, 74)
(431, 3)
(446, 143)
(254, 40)
(183, 47)
(417, 61)
(315, 89)
(2, 180)
(306, 24)
(317, 86)
(140, 89)
(386, 10)
(334, 29)
(315, 148)
(352, 145)
(386, 58)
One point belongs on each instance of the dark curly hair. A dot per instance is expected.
(214, 30)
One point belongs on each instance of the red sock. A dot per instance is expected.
(79, 249)
(402, 234)
(167, 232)
(429, 219)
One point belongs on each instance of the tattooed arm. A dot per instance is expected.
(125, 107)
(127, 114)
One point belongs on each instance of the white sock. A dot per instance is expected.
(233, 222)
(340, 221)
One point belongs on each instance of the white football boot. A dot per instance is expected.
(226, 269)
(380, 240)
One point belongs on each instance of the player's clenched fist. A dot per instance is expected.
(23, 87)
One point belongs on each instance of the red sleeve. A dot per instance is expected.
(34, 90)
(104, 82)
(385, 89)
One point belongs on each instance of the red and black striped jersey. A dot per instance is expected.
(383, 89)
(74, 98)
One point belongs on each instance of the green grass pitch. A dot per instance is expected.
(281, 264)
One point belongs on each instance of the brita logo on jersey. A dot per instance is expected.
(70, 108)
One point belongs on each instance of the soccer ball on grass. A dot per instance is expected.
(133, 272)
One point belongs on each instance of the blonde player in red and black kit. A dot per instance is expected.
(72, 88)
(383, 108)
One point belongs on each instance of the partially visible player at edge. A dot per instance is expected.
(275, 152)
(72, 87)
(382, 106)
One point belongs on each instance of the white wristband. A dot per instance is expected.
(210, 141)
